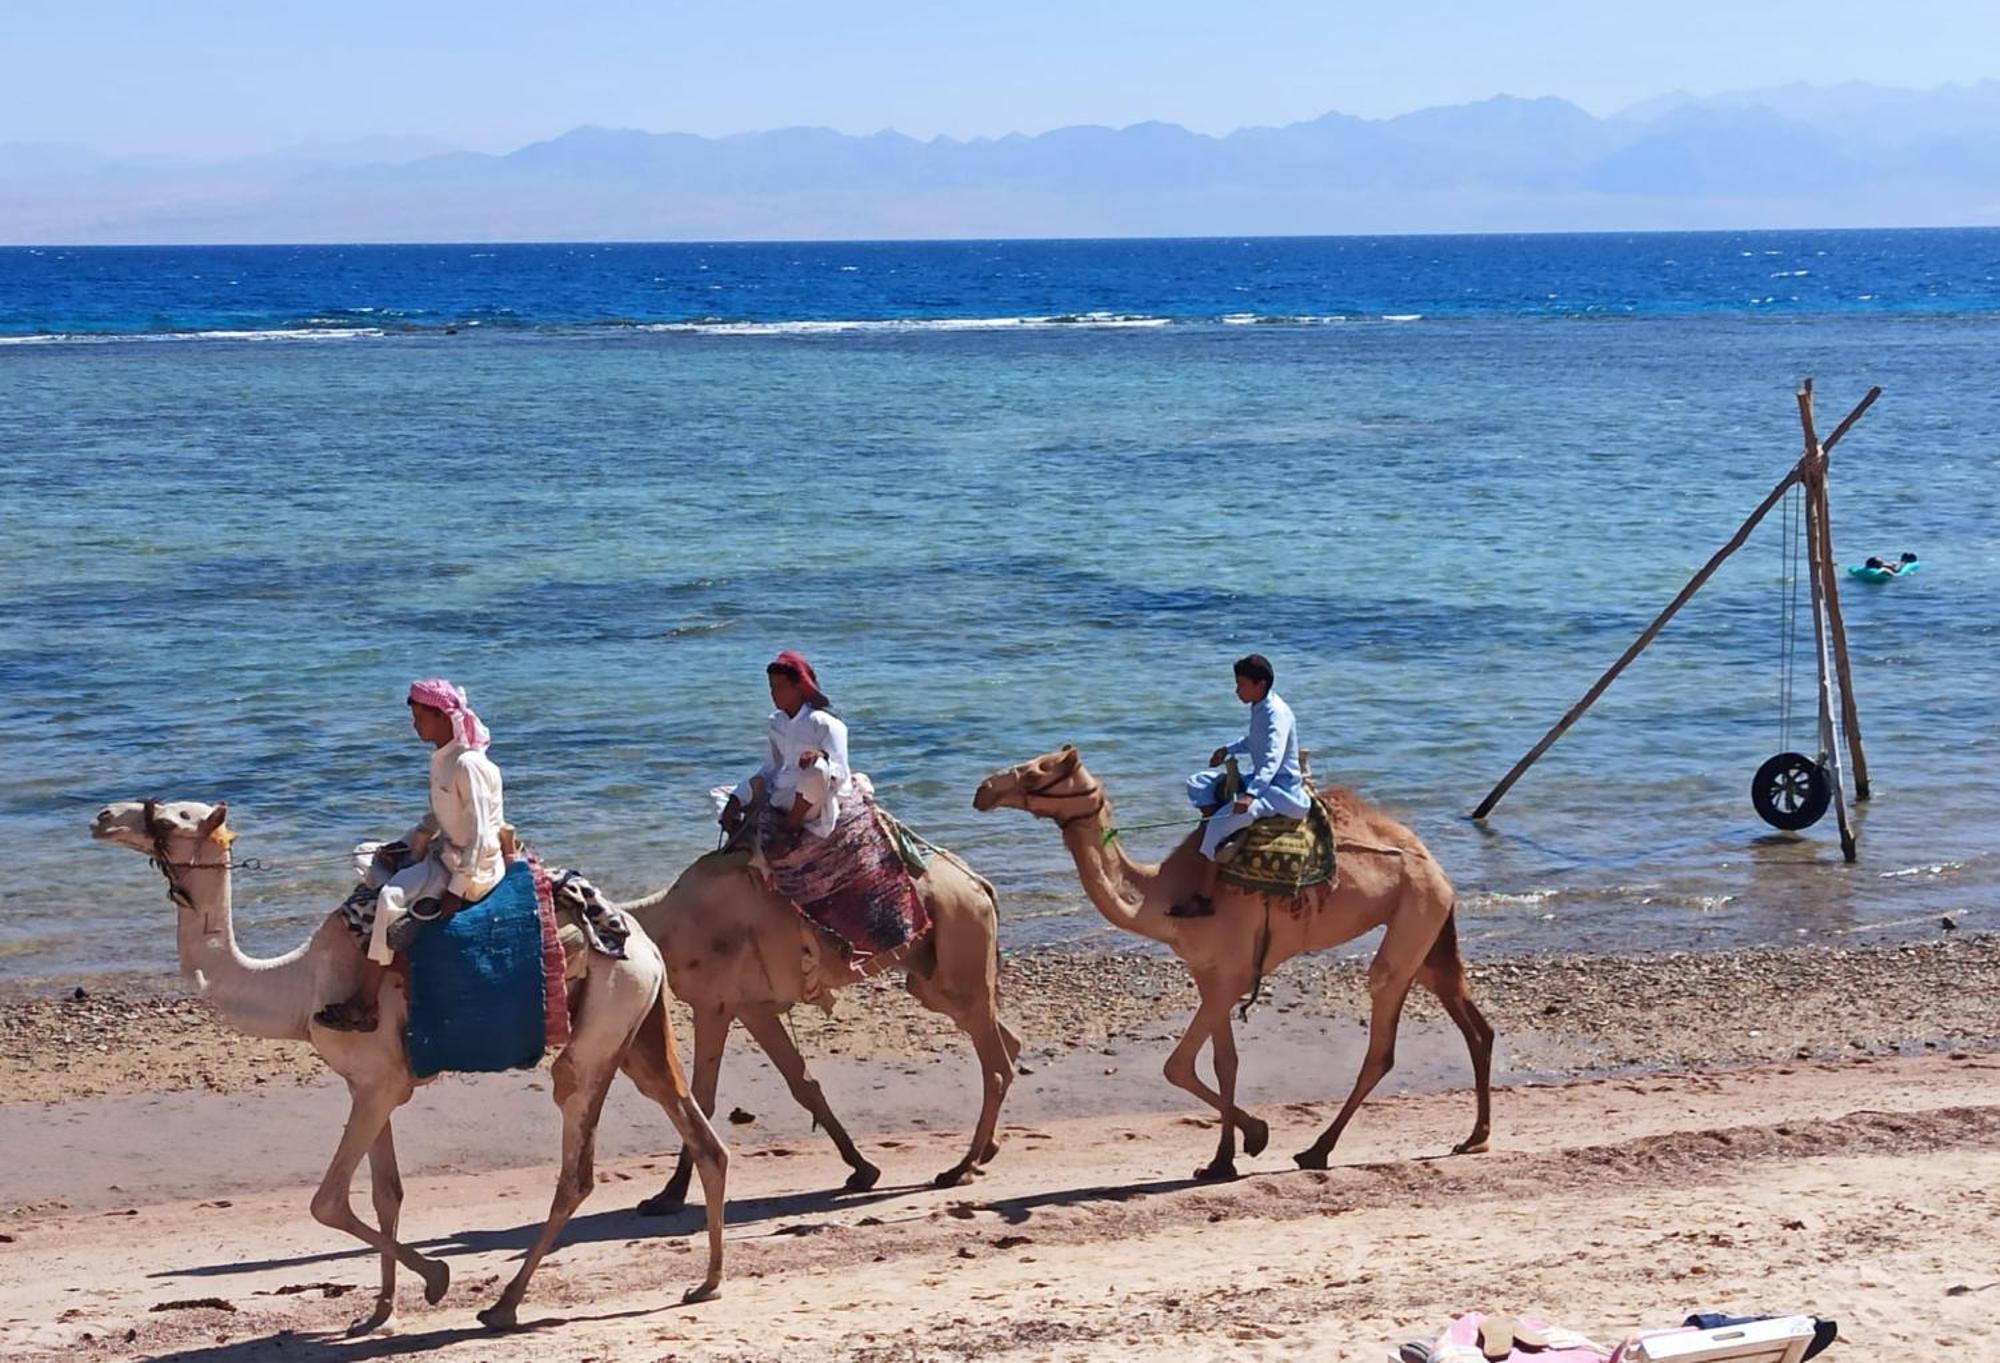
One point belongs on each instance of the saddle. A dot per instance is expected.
(1277, 856)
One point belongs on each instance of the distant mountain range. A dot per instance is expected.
(1791, 156)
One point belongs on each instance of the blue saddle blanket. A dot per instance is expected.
(476, 991)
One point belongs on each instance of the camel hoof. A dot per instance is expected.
(499, 1316)
(992, 1149)
(437, 1278)
(1470, 1146)
(701, 1292)
(663, 1203)
(1256, 1135)
(382, 1315)
(955, 1177)
(862, 1179)
(1310, 1159)
(1221, 1171)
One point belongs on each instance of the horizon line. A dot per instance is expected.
(973, 240)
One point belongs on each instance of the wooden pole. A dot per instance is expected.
(1813, 464)
(1575, 712)
(1646, 637)
(1850, 709)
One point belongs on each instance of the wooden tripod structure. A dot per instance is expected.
(1829, 631)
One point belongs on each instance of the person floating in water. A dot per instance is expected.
(1901, 565)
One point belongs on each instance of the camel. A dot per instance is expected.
(1386, 879)
(620, 1021)
(737, 950)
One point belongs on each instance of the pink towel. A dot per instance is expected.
(1460, 1343)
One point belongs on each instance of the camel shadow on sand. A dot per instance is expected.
(621, 1223)
(329, 1346)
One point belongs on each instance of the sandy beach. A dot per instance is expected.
(1812, 1129)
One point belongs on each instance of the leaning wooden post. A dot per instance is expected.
(1813, 466)
(1850, 709)
(1646, 637)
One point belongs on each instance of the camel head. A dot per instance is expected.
(183, 829)
(1055, 785)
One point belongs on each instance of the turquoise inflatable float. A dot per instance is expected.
(1868, 574)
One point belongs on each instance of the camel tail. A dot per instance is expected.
(676, 1076)
(1443, 954)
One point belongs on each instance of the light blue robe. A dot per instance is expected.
(1271, 775)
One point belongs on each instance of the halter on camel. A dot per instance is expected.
(158, 833)
(1048, 791)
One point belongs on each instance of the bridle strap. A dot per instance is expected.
(158, 833)
(1048, 792)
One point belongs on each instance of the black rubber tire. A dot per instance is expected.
(1791, 791)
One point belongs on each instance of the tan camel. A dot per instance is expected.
(736, 949)
(1386, 879)
(618, 1010)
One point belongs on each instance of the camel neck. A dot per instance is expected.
(1126, 892)
(267, 998)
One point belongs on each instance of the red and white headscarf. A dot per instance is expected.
(440, 694)
(795, 663)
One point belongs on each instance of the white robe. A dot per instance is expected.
(824, 783)
(462, 833)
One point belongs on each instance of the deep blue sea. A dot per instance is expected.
(1006, 495)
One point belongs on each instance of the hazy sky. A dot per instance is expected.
(210, 77)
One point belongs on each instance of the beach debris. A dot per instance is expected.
(741, 1117)
(324, 1289)
(1948, 923)
(1013, 1241)
(196, 1304)
(80, 995)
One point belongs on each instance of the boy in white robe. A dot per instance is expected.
(451, 858)
(805, 773)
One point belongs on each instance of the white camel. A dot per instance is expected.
(620, 1022)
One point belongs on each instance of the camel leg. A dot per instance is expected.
(711, 1038)
(996, 1064)
(1222, 1053)
(655, 1067)
(1011, 1041)
(1213, 1014)
(367, 1118)
(767, 1029)
(1444, 975)
(1405, 947)
(385, 1190)
(581, 1098)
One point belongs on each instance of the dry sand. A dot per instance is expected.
(1859, 1181)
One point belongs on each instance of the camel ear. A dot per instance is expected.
(1069, 754)
(216, 824)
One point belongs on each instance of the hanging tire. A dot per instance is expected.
(1791, 791)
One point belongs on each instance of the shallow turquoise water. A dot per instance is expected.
(221, 562)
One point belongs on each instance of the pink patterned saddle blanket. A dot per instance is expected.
(854, 884)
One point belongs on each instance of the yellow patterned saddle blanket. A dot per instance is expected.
(1282, 856)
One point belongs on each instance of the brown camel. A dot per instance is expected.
(618, 1010)
(737, 950)
(1386, 879)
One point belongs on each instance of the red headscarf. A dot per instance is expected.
(795, 663)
